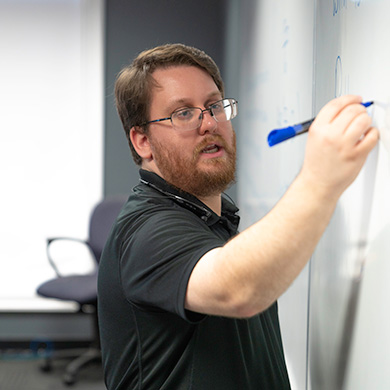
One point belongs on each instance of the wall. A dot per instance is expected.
(133, 26)
(129, 27)
(52, 134)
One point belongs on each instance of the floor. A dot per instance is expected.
(19, 370)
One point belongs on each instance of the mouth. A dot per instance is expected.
(212, 148)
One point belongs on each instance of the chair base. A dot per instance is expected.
(84, 357)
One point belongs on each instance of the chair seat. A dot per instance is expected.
(82, 288)
(78, 288)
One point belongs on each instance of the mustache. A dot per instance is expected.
(211, 139)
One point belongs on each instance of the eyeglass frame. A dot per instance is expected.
(201, 114)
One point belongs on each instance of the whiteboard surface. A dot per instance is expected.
(276, 90)
(349, 341)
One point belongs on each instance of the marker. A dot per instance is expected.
(279, 135)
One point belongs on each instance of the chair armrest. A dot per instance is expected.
(55, 264)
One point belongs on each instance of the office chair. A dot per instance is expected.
(82, 288)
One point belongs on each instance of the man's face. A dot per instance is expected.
(200, 161)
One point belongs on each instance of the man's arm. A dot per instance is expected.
(251, 271)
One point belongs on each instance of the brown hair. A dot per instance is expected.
(134, 83)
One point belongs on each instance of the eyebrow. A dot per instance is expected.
(171, 107)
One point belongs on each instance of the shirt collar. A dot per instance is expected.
(228, 213)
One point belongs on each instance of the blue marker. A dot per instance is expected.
(279, 135)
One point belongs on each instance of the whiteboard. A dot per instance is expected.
(349, 342)
(276, 90)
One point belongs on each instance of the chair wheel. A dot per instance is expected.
(69, 379)
(46, 366)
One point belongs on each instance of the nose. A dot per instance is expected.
(208, 124)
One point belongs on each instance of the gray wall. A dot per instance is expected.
(133, 26)
(130, 27)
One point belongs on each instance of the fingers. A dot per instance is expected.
(368, 141)
(348, 115)
(338, 144)
(331, 110)
(347, 118)
(355, 123)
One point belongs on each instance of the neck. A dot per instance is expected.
(213, 202)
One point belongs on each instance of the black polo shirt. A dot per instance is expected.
(149, 341)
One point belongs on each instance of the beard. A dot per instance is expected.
(211, 177)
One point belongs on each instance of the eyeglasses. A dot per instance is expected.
(190, 118)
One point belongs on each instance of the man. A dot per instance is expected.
(184, 301)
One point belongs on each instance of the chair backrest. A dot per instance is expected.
(101, 221)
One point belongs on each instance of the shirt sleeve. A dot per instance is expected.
(158, 257)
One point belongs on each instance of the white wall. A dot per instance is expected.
(51, 100)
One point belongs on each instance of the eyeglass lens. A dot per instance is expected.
(191, 118)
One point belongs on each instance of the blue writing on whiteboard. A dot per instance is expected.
(338, 76)
(338, 5)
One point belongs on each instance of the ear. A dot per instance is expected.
(140, 142)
